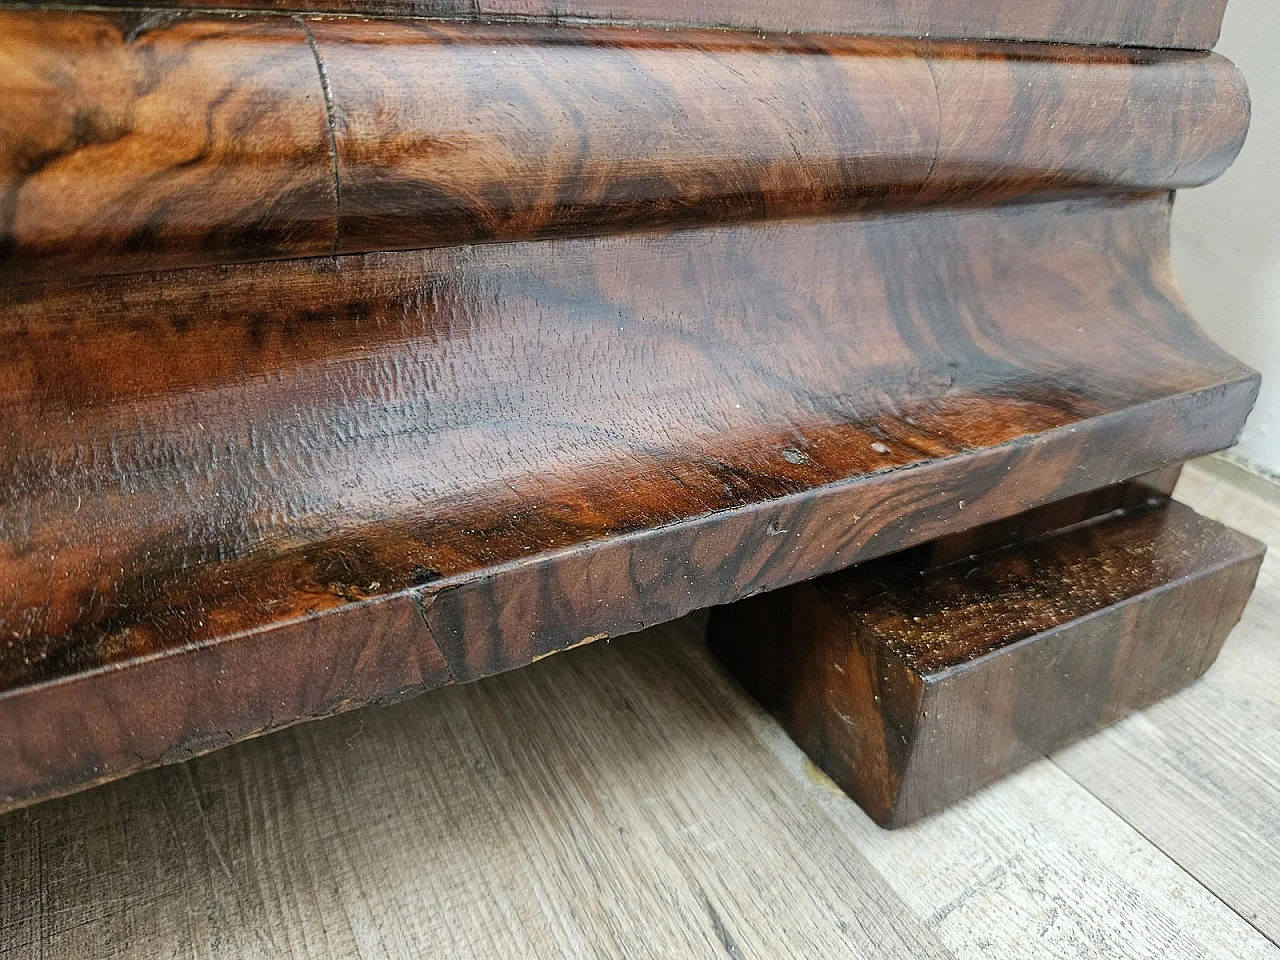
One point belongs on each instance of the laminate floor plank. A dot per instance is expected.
(1199, 773)
(600, 804)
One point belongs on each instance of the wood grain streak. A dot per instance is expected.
(142, 141)
(198, 139)
(476, 456)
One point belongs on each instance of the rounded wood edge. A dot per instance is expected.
(207, 139)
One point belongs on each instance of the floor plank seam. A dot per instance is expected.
(1164, 853)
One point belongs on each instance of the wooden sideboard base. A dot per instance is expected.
(244, 497)
(912, 686)
(349, 358)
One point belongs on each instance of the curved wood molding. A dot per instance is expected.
(187, 140)
(1189, 24)
(273, 491)
(123, 147)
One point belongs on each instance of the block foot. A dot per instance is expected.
(913, 685)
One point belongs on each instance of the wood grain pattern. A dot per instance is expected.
(140, 141)
(205, 139)
(913, 688)
(1192, 24)
(477, 456)
(625, 800)
(452, 134)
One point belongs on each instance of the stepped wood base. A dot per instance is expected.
(346, 359)
(913, 685)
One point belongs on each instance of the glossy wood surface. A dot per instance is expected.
(199, 139)
(370, 439)
(134, 141)
(1191, 24)
(273, 491)
(912, 688)
(497, 133)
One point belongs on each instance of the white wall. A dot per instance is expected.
(1226, 236)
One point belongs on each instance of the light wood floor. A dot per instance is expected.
(627, 800)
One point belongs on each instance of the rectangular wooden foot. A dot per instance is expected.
(913, 685)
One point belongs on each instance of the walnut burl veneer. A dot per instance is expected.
(347, 358)
(914, 687)
(199, 139)
(268, 492)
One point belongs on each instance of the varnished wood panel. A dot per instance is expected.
(1192, 24)
(1010, 118)
(208, 139)
(134, 140)
(913, 688)
(473, 457)
(503, 132)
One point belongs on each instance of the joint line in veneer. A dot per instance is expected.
(937, 132)
(422, 601)
(327, 91)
